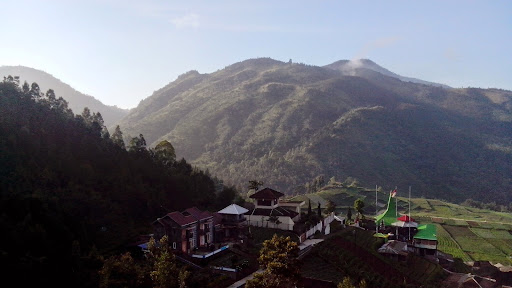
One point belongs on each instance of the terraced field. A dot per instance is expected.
(465, 232)
(477, 243)
(448, 245)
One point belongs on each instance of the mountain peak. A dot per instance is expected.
(354, 68)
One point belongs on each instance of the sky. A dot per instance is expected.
(121, 51)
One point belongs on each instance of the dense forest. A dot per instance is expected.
(71, 193)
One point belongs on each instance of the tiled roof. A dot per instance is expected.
(188, 216)
(198, 214)
(266, 193)
(279, 211)
(181, 219)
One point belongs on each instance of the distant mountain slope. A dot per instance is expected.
(353, 67)
(77, 101)
(285, 124)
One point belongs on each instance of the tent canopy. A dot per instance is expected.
(404, 224)
(405, 218)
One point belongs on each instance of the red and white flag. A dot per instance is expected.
(393, 193)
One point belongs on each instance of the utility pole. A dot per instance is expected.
(396, 213)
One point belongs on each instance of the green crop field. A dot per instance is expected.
(464, 232)
(484, 233)
(448, 245)
(480, 244)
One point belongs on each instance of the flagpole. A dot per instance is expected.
(396, 213)
(376, 225)
(409, 213)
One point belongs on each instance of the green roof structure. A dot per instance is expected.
(388, 217)
(426, 232)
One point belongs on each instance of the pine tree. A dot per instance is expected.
(117, 137)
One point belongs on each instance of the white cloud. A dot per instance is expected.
(189, 20)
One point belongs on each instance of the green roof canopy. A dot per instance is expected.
(426, 232)
(389, 217)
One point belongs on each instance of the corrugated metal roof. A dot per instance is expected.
(234, 210)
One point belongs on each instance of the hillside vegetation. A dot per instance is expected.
(70, 195)
(77, 101)
(287, 124)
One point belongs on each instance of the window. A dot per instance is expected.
(173, 245)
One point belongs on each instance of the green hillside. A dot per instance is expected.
(288, 124)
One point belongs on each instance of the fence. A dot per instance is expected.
(324, 224)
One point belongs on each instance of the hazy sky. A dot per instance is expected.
(121, 51)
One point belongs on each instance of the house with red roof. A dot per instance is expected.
(186, 230)
(268, 211)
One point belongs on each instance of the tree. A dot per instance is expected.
(35, 91)
(330, 207)
(358, 206)
(165, 272)
(282, 267)
(165, 153)
(51, 98)
(26, 88)
(86, 115)
(347, 283)
(117, 137)
(349, 214)
(226, 197)
(120, 271)
(254, 185)
(309, 207)
(137, 144)
(319, 210)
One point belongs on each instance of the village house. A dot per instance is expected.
(425, 241)
(268, 211)
(186, 230)
(233, 224)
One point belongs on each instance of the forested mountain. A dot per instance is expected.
(70, 194)
(76, 100)
(293, 125)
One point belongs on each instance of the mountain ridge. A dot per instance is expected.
(350, 67)
(287, 124)
(77, 101)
